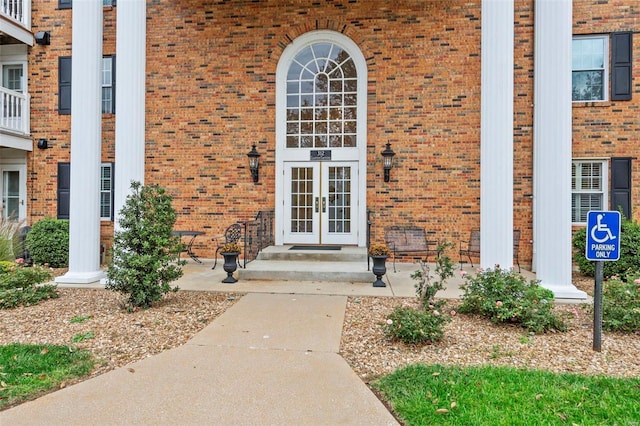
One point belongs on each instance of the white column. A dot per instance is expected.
(552, 147)
(86, 144)
(130, 97)
(496, 135)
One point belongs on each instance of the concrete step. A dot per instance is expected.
(282, 264)
(293, 270)
(343, 254)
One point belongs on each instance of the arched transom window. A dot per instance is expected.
(322, 98)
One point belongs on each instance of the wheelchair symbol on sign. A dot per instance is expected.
(602, 230)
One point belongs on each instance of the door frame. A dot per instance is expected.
(22, 186)
(320, 205)
(357, 154)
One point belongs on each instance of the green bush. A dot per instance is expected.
(629, 251)
(621, 305)
(48, 242)
(20, 286)
(415, 326)
(506, 296)
(424, 325)
(145, 255)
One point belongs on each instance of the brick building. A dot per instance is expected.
(502, 114)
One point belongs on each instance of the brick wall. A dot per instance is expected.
(211, 94)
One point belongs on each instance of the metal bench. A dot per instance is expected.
(406, 240)
(473, 247)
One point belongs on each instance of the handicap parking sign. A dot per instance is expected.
(603, 235)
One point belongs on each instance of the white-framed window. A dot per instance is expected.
(107, 85)
(322, 98)
(12, 77)
(106, 191)
(588, 188)
(590, 68)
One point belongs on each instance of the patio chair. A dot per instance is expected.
(232, 235)
(473, 247)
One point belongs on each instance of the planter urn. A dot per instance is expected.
(379, 269)
(230, 266)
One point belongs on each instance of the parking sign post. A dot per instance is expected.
(603, 244)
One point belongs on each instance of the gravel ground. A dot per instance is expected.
(118, 338)
(114, 336)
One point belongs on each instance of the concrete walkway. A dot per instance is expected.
(271, 359)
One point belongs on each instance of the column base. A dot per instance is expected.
(566, 291)
(81, 277)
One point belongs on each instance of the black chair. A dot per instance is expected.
(231, 235)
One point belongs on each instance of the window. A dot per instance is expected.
(322, 98)
(588, 183)
(67, 4)
(598, 60)
(590, 57)
(12, 77)
(106, 190)
(108, 84)
(108, 106)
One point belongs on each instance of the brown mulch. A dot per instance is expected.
(117, 337)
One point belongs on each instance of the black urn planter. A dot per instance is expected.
(230, 266)
(379, 269)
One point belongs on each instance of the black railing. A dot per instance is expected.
(258, 234)
(368, 237)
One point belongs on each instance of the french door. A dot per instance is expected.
(320, 202)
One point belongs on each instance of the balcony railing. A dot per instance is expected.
(17, 10)
(14, 111)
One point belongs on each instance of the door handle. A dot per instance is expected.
(317, 204)
(324, 204)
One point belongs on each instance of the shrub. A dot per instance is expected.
(621, 305)
(629, 251)
(415, 326)
(145, 256)
(506, 296)
(424, 325)
(48, 242)
(19, 286)
(9, 242)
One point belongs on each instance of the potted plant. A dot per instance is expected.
(379, 253)
(230, 252)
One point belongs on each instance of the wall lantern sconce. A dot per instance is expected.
(387, 161)
(254, 162)
(43, 38)
(43, 143)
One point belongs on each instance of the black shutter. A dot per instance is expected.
(621, 47)
(621, 185)
(64, 4)
(64, 189)
(64, 85)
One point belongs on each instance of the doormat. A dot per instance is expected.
(315, 248)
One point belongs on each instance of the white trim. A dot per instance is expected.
(359, 153)
(604, 182)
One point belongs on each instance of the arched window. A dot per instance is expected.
(322, 98)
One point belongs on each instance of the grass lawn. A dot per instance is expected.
(26, 371)
(434, 394)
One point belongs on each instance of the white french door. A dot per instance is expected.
(320, 202)
(13, 191)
